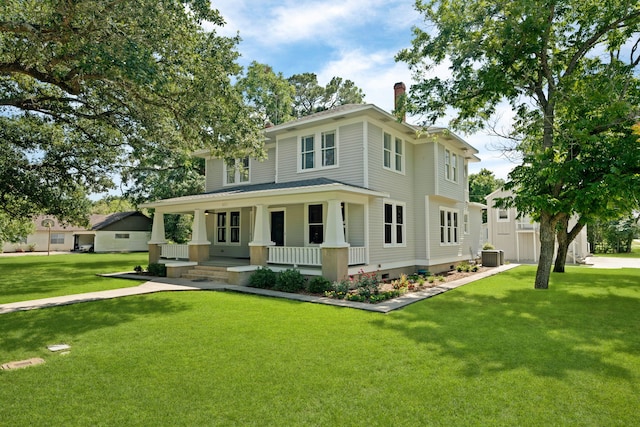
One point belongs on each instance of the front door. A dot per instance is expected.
(277, 227)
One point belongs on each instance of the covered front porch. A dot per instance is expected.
(321, 227)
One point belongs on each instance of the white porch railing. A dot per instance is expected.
(357, 255)
(174, 251)
(290, 255)
(294, 255)
(526, 226)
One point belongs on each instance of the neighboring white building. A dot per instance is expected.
(519, 238)
(118, 232)
(341, 191)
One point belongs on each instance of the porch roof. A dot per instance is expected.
(273, 189)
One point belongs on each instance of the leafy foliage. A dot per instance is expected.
(263, 278)
(567, 71)
(87, 88)
(290, 280)
(319, 285)
(482, 184)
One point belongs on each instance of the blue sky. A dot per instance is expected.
(352, 39)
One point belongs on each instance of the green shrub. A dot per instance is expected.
(487, 246)
(319, 285)
(290, 280)
(156, 269)
(137, 269)
(339, 289)
(263, 278)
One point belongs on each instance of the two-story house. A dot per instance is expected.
(519, 236)
(341, 191)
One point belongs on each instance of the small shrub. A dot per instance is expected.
(401, 283)
(487, 247)
(474, 268)
(319, 285)
(355, 297)
(137, 269)
(339, 289)
(431, 279)
(263, 278)
(290, 280)
(156, 269)
(31, 247)
(367, 284)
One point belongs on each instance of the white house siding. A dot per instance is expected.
(41, 240)
(476, 237)
(356, 225)
(445, 187)
(399, 186)
(106, 241)
(424, 183)
(439, 253)
(349, 156)
(260, 172)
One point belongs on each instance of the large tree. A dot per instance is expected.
(88, 86)
(311, 98)
(528, 54)
(482, 184)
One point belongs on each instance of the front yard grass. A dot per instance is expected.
(24, 278)
(494, 352)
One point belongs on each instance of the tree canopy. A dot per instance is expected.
(482, 184)
(88, 87)
(541, 58)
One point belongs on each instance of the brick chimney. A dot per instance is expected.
(399, 92)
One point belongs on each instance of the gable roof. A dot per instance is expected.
(96, 222)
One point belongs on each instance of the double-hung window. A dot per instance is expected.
(328, 149)
(318, 156)
(450, 166)
(308, 152)
(392, 153)
(228, 227)
(448, 226)
(315, 225)
(394, 224)
(57, 238)
(237, 171)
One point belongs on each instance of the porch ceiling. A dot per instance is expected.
(312, 190)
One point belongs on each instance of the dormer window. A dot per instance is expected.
(318, 156)
(236, 171)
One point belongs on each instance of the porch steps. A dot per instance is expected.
(206, 272)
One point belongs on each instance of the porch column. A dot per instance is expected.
(335, 250)
(199, 245)
(157, 237)
(259, 247)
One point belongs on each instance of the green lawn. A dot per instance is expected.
(30, 277)
(495, 352)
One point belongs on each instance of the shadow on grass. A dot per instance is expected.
(586, 321)
(30, 331)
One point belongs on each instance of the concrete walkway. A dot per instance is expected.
(612, 262)
(162, 284)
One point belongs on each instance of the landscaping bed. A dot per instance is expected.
(362, 287)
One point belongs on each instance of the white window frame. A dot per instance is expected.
(228, 227)
(393, 157)
(465, 222)
(450, 229)
(450, 165)
(121, 236)
(317, 151)
(56, 237)
(241, 173)
(394, 224)
(507, 216)
(307, 224)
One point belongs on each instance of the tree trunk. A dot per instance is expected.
(547, 245)
(565, 237)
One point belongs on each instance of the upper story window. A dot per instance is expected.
(325, 151)
(393, 153)
(236, 171)
(503, 215)
(394, 224)
(450, 165)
